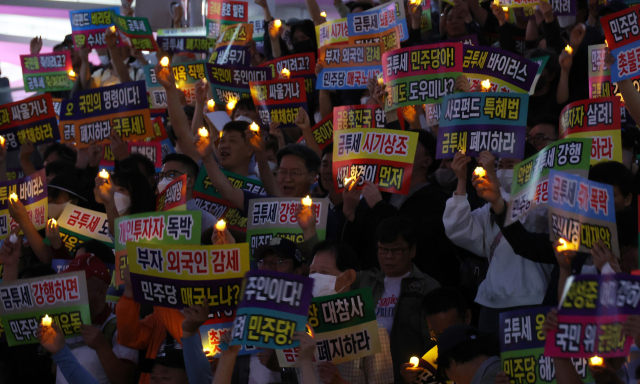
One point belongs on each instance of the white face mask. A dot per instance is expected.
(272, 166)
(123, 202)
(55, 210)
(323, 285)
(446, 177)
(244, 118)
(317, 116)
(163, 184)
(364, 100)
(104, 59)
(505, 176)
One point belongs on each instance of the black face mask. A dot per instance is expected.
(304, 46)
(542, 81)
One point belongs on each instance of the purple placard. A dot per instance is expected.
(223, 294)
(277, 291)
(29, 189)
(564, 7)
(503, 65)
(482, 137)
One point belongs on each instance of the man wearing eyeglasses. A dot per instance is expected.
(544, 132)
(398, 288)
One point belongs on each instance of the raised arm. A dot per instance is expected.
(314, 11)
(202, 87)
(116, 59)
(303, 122)
(195, 361)
(20, 215)
(266, 174)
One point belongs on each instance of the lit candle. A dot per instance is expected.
(13, 197)
(231, 104)
(568, 49)
(164, 61)
(606, 43)
(221, 225)
(13, 238)
(346, 181)
(307, 201)
(277, 23)
(203, 132)
(565, 246)
(496, 2)
(112, 29)
(323, 14)
(486, 84)
(46, 321)
(480, 172)
(254, 127)
(2, 140)
(210, 105)
(206, 351)
(53, 222)
(221, 134)
(104, 174)
(505, 9)
(177, 86)
(204, 81)
(72, 73)
(596, 360)
(414, 361)
(380, 80)
(285, 73)
(414, 2)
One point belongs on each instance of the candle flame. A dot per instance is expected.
(307, 201)
(505, 9)
(277, 23)
(46, 321)
(13, 197)
(221, 134)
(285, 73)
(254, 127)
(210, 105)
(568, 49)
(2, 140)
(203, 132)
(486, 84)
(72, 73)
(323, 14)
(414, 361)
(565, 246)
(606, 43)
(164, 61)
(480, 172)
(221, 225)
(112, 29)
(596, 360)
(104, 174)
(380, 81)
(231, 104)
(53, 221)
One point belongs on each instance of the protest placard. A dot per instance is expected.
(179, 276)
(622, 33)
(564, 7)
(32, 118)
(476, 122)
(506, 71)
(122, 108)
(530, 186)
(590, 317)
(378, 19)
(78, 225)
(582, 212)
(152, 150)
(231, 45)
(322, 132)
(135, 32)
(15, 173)
(208, 199)
(332, 32)
(259, 29)
(163, 228)
(381, 156)
(359, 116)
(542, 63)
(598, 119)
(349, 66)
(522, 349)
(432, 113)
(32, 193)
(271, 217)
(174, 196)
(212, 331)
(274, 305)
(187, 75)
(190, 39)
(299, 65)
(66, 122)
(25, 302)
(157, 93)
(47, 72)
(88, 26)
(221, 13)
(279, 100)
(232, 82)
(421, 75)
(114, 292)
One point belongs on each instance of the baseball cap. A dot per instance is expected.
(282, 247)
(171, 358)
(612, 7)
(91, 265)
(67, 183)
(454, 336)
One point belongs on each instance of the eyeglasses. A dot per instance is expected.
(394, 251)
(295, 175)
(277, 265)
(538, 139)
(434, 335)
(169, 175)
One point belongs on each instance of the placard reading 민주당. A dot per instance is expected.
(274, 305)
(381, 156)
(598, 119)
(349, 66)
(179, 276)
(47, 72)
(122, 108)
(169, 228)
(213, 329)
(26, 301)
(582, 212)
(271, 217)
(622, 33)
(530, 187)
(421, 75)
(522, 349)
(476, 122)
(590, 317)
(33, 118)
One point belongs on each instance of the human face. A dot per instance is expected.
(440, 321)
(455, 24)
(395, 258)
(507, 163)
(619, 200)
(234, 150)
(97, 293)
(324, 262)
(165, 375)
(273, 262)
(542, 135)
(57, 196)
(242, 111)
(178, 169)
(293, 177)
(326, 172)
(298, 35)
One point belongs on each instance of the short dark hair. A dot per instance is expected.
(481, 345)
(311, 159)
(327, 149)
(552, 66)
(237, 126)
(99, 249)
(244, 103)
(63, 152)
(359, 4)
(143, 198)
(544, 118)
(191, 165)
(61, 167)
(133, 163)
(615, 174)
(345, 257)
(444, 299)
(430, 143)
(391, 228)
(272, 144)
